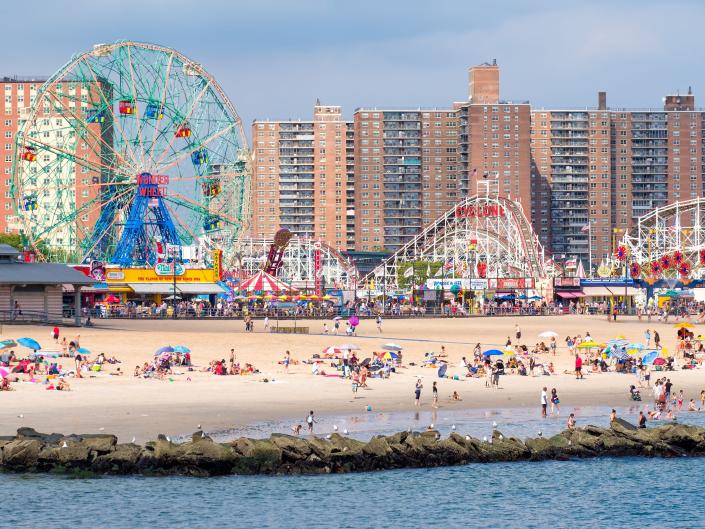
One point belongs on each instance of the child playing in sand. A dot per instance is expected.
(455, 396)
(296, 429)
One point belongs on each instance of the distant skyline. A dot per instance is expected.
(274, 58)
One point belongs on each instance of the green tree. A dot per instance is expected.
(13, 239)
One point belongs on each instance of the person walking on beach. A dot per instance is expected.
(232, 359)
(266, 324)
(435, 395)
(657, 340)
(310, 420)
(517, 332)
(555, 401)
(642, 420)
(553, 345)
(544, 402)
(55, 334)
(379, 323)
(336, 327)
(647, 338)
(287, 361)
(325, 328)
(417, 393)
(578, 366)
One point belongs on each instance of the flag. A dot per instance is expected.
(409, 272)
(439, 272)
(428, 270)
(571, 263)
(586, 227)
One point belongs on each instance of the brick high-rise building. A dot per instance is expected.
(300, 177)
(494, 138)
(406, 173)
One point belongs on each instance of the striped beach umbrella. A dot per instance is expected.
(264, 282)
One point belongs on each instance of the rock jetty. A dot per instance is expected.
(31, 451)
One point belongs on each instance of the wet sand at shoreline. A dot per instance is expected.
(135, 407)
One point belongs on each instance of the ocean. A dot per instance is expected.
(604, 493)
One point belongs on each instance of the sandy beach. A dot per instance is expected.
(136, 407)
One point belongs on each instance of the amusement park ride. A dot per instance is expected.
(127, 149)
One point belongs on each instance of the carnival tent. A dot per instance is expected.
(264, 282)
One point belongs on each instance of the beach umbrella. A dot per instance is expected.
(390, 356)
(442, 371)
(548, 334)
(112, 298)
(509, 352)
(166, 349)
(338, 318)
(620, 337)
(7, 344)
(649, 357)
(348, 347)
(392, 347)
(620, 355)
(659, 361)
(636, 346)
(165, 356)
(493, 352)
(29, 343)
(683, 325)
(83, 351)
(331, 350)
(354, 321)
(327, 297)
(4, 371)
(586, 345)
(181, 349)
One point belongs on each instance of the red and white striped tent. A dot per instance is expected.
(264, 282)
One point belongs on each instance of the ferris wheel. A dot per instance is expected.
(129, 149)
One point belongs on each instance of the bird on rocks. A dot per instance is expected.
(501, 437)
(431, 426)
(345, 431)
(198, 427)
(168, 438)
(494, 424)
(335, 427)
(203, 434)
(64, 445)
(484, 438)
(467, 437)
(328, 436)
(452, 427)
(134, 439)
(540, 433)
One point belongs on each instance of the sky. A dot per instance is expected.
(274, 58)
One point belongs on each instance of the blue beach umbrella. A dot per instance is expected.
(29, 343)
(7, 344)
(83, 351)
(649, 357)
(166, 349)
(493, 352)
(181, 349)
(620, 355)
(635, 346)
(442, 371)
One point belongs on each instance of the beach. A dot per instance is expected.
(133, 407)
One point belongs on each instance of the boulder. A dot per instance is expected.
(122, 460)
(99, 443)
(30, 433)
(21, 454)
(293, 448)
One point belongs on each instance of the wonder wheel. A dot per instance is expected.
(128, 149)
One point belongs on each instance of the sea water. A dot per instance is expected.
(600, 493)
(604, 493)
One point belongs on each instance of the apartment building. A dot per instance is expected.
(406, 173)
(300, 177)
(494, 138)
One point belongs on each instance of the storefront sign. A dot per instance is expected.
(510, 283)
(115, 276)
(167, 269)
(488, 210)
(463, 283)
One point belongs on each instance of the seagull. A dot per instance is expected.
(345, 431)
(133, 439)
(494, 424)
(431, 426)
(540, 433)
(64, 445)
(484, 438)
(198, 427)
(452, 427)
(101, 429)
(335, 427)
(467, 437)
(328, 436)
(203, 434)
(168, 438)
(501, 437)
